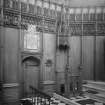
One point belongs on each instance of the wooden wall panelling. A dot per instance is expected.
(100, 58)
(49, 43)
(56, 51)
(11, 93)
(1, 51)
(88, 57)
(21, 72)
(60, 69)
(49, 51)
(61, 58)
(60, 79)
(42, 61)
(84, 11)
(94, 52)
(1, 63)
(74, 60)
(11, 52)
(60, 61)
(88, 25)
(0, 16)
(103, 13)
(11, 65)
(0, 36)
(22, 39)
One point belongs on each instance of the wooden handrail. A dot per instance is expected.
(39, 93)
(36, 98)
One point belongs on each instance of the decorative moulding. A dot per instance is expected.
(48, 82)
(10, 85)
(48, 62)
(63, 47)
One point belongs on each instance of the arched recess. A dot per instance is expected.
(31, 73)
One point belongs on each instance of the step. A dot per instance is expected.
(96, 83)
(94, 88)
(98, 97)
(75, 101)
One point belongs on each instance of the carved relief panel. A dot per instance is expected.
(32, 39)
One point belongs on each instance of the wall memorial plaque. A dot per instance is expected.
(32, 39)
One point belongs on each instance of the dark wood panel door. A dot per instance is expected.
(31, 75)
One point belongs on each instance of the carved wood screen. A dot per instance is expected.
(87, 21)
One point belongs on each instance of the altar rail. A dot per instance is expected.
(36, 92)
(37, 97)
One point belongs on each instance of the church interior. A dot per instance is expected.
(52, 52)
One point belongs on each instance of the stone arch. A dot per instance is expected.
(31, 58)
(31, 73)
